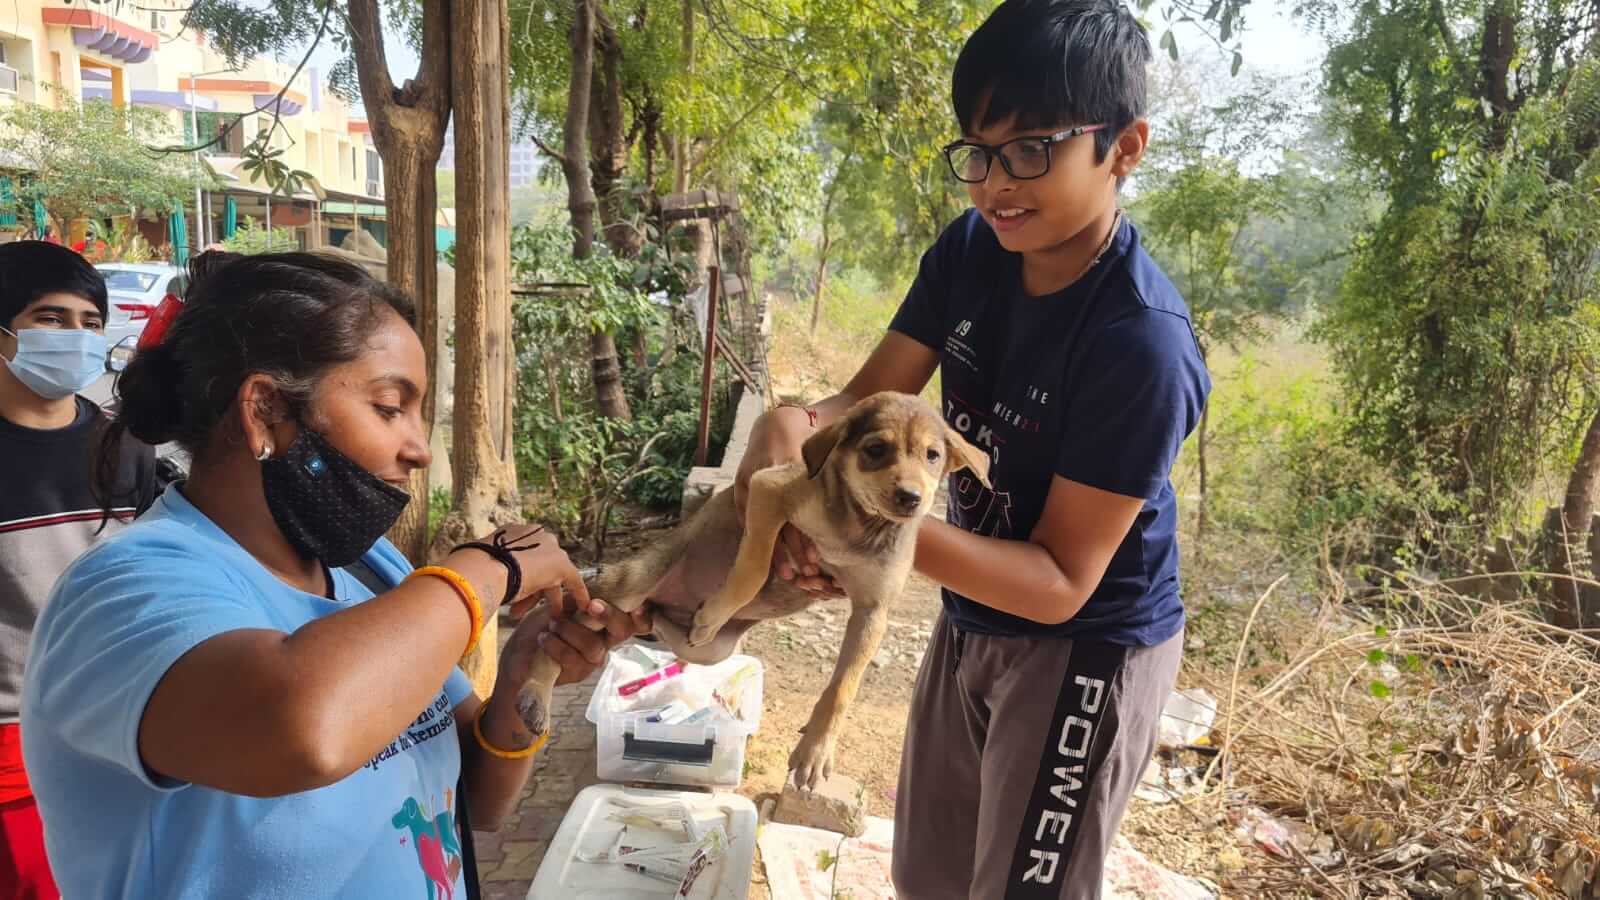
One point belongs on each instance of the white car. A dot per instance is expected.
(135, 290)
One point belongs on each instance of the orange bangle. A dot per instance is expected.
(524, 753)
(469, 598)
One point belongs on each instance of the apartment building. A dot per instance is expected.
(525, 161)
(138, 53)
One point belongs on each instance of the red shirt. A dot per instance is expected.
(13, 780)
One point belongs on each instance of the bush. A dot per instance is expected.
(578, 462)
(252, 239)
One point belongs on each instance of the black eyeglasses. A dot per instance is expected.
(1023, 158)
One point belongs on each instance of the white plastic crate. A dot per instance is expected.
(708, 750)
(589, 828)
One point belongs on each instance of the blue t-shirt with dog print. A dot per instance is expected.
(116, 622)
(1099, 383)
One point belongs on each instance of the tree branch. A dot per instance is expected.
(366, 40)
(1436, 12)
(548, 150)
(426, 96)
(705, 155)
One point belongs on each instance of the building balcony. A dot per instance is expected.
(103, 35)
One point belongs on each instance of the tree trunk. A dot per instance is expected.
(608, 140)
(1495, 55)
(608, 143)
(1568, 544)
(408, 129)
(607, 374)
(575, 133)
(822, 279)
(482, 455)
(827, 245)
(652, 137)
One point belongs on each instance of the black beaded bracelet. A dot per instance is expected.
(500, 550)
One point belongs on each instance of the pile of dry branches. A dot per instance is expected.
(1454, 757)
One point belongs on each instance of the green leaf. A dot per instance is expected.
(1238, 63)
(1379, 689)
(1169, 43)
(1376, 657)
(1380, 631)
(1227, 27)
(1413, 662)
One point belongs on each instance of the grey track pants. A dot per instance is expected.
(1020, 759)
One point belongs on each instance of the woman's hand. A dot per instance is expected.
(546, 572)
(577, 649)
(776, 440)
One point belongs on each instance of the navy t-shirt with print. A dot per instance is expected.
(1099, 383)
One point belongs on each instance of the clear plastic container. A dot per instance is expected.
(588, 829)
(687, 729)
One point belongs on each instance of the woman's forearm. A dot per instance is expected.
(387, 657)
(266, 714)
(495, 783)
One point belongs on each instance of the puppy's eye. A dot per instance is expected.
(875, 451)
(933, 454)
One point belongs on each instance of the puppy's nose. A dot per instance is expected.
(907, 498)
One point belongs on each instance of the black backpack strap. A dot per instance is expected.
(469, 849)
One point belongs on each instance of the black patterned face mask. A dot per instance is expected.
(328, 507)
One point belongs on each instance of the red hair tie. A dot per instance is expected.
(156, 329)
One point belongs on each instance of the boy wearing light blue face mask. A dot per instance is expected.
(53, 308)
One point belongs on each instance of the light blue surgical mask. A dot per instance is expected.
(57, 362)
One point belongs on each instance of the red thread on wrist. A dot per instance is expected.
(811, 414)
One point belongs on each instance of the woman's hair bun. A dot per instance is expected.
(149, 402)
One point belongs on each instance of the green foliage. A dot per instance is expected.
(1464, 325)
(90, 161)
(581, 462)
(118, 240)
(251, 239)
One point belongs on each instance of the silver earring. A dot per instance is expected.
(265, 454)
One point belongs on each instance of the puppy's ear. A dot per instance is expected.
(816, 449)
(959, 454)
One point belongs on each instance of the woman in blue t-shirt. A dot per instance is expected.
(216, 703)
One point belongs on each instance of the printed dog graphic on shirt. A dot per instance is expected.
(433, 839)
(860, 492)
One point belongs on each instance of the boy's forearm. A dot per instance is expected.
(797, 424)
(1016, 577)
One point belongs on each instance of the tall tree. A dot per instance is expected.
(609, 149)
(482, 458)
(1465, 328)
(93, 161)
(1199, 209)
(408, 126)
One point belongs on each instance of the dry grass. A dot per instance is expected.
(1450, 754)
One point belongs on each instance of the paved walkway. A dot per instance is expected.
(508, 859)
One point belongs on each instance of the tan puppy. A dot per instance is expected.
(865, 483)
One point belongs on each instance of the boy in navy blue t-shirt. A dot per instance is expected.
(1067, 355)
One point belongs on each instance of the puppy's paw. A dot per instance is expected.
(533, 704)
(811, 763)
(705, 629)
